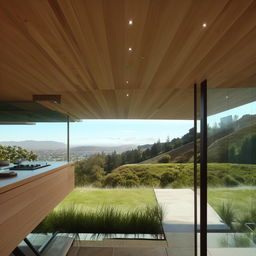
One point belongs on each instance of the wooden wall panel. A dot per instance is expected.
(24, 207)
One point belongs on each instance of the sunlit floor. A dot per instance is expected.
(91, 251)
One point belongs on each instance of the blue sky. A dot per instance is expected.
(112, 132)
(99, 132)
(249, 108)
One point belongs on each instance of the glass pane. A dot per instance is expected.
(232, 171)
(37, 241)
(48, 141)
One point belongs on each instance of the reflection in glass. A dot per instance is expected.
(232, 168)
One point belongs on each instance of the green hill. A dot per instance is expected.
(180, 175)
(181, 154)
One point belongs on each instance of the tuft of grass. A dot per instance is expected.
(227, 213)
(241, 198)
(248, 216)
(235, 240)
(105, 220)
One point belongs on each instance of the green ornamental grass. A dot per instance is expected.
(104, 220)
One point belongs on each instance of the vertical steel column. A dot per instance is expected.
(68, 142)
(195, 167)
(203, 169)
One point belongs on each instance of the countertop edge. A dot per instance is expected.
(32, 178)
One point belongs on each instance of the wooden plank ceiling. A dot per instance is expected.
(80, 49)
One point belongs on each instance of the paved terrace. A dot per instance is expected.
(178, 224)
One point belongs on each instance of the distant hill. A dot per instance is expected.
(59, 146)
(98, 149)
(36, 145)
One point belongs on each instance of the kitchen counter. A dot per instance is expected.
(25, 176)
(27, 198)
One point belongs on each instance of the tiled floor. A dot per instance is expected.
(91, 251)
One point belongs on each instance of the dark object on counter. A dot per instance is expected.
(7, 174)
(28, 167)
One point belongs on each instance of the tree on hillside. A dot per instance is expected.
(167, 145)
(176, 142)
(112, 161)
(156, 148)
(188, 137)
(247, 153)
(89, 170)
(13, 153)
(146, 154)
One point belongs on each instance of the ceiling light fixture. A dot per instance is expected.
(204, 25)
(127, 94)
(127, 82)
(130, 49)
(56, 99)
(130, 22)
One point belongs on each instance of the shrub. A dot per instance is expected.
(148, 179)
(239, 178)
(181, 159)
(212, 180)
(112, 180)
(123, 178)
(230, 181)
(164, 159)
(166, 178)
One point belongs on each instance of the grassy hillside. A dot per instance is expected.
(180, 175)
(182, 153)
(217, 150)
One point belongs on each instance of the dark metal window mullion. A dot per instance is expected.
(203, 169)
(195, 169)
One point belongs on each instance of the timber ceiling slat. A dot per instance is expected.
(225, 44)
(79, 49)
(207, 42)
(190, 36)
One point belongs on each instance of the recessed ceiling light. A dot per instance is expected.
(127, 94)
(127, 82)
(130, 22)
(204, 25)
(130, 49)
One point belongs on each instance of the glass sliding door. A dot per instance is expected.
(197, 169)
(231, 171)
